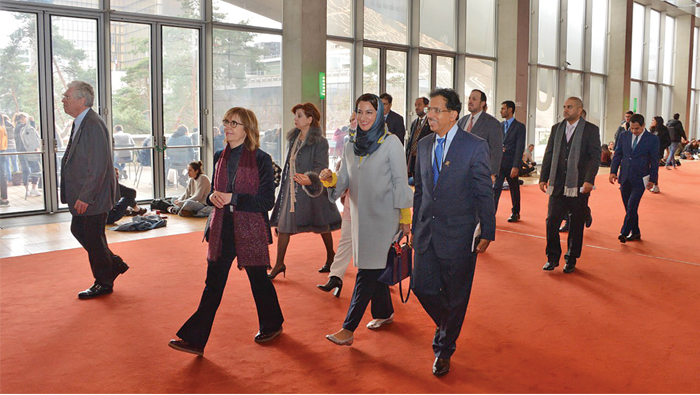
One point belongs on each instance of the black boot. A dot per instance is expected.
(333, 282)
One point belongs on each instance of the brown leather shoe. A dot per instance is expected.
(183, 346)
(441, 366)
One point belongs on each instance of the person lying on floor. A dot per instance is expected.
(194, 198)
(126, 205)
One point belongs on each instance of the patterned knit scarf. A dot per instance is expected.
(249, 229)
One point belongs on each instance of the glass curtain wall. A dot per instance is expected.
(480, 62)
(652, 62)
(579, 67)
(694, 124)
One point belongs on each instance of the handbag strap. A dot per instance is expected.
(401, 293)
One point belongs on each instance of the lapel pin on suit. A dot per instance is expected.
(447, 163)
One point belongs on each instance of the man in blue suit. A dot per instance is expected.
(513, 147)
(453, 195)
(637, 158)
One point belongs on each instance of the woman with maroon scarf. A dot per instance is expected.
(243, 192)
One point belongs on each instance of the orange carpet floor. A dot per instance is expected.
(626, 321)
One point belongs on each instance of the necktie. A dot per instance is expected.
(70, 140)
(634, 142)
(471, 123)
(505, 129)
(414, 141)
(437, 163)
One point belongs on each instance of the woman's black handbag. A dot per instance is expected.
(160, 204)
(399, 264)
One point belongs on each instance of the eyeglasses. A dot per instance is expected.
(233, 124)
(435, 110)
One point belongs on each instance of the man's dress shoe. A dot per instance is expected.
(184, 346)
(633, 237)
(570, 266)
(550, 265)
(122, 267)
(263, 337)
(441, 366)
(622, 238)
(514, 218)
(95, 291)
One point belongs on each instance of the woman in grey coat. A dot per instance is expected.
(308, 211)
(374, 172)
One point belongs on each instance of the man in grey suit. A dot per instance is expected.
(394, 121)
(485, 126)
(89, 186)
(453, 196)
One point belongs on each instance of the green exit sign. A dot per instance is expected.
(322, 85)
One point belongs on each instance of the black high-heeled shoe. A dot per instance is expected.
(325, 269)
(274, 274)
(333, 282)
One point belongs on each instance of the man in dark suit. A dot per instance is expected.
(419, 129)
(394, 121)
(89, 186)
(485, 126)
(513, 147)
(569, 167)
(637, 158)
(453, 199)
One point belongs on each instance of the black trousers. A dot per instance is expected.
(449, 307)
(367, 289)
(559, 207)
(128, 199)
(513, 186)
(89, 230)
(197, 329)
(631, 196)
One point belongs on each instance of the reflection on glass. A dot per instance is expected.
(445, 72)
(19, 106)
(437, 26)
(339, 100)
(654, 32)
(247, 71)
(669, 44)
(339, 18)
(597, 100)
(574, 85)
(386, 21)
(696, 63)
(651, 101)
(637, 40)
(666, 102)
(73, 3)
(545, 108)
(249, 12)
(180, 79)
(176, 161)
(548, 32)
(635, 96)
(576, 13)
(481, 27)
(182, 9)
(599, 34)
(424, 75)
(370, 71)
(131, 79)
(479, 75)
(396, 80)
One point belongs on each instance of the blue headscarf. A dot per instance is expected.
(366, 142)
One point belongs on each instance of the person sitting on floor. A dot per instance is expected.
(194, 198)
(605, 156)
(528, 164)
(126, 204)
(691, 150)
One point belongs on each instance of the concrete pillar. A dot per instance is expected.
(619, 65)
(304, 52)
(512, 66)
(682, 73)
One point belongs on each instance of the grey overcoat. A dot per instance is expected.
(378, 190)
